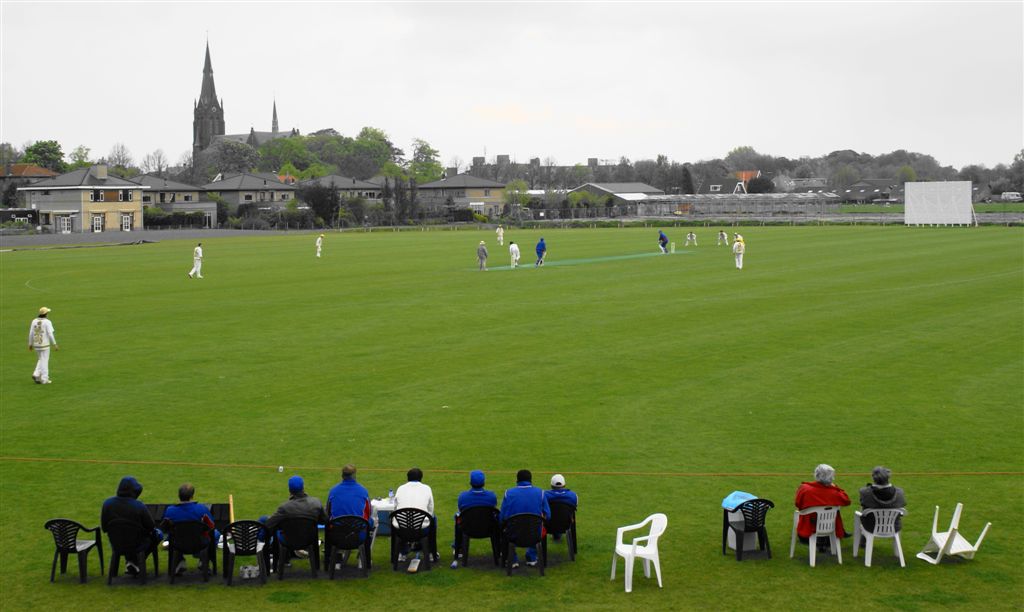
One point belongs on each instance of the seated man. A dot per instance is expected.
(415, 494)
(524, 498)
(476, 497)
(560, 494)
(822, 492)
(189, 510)
(349, 498)
(299, 505)
(880, 494)
(126, 505)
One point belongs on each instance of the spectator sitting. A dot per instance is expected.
(525, 498)
(299, 505)
(189, 510)
(477, 496)
(560, 494)
(126, 505)
(880, 494)
(415, 494)
(349, 498)
(822, 492)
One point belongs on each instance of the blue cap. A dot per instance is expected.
(476, 479)
(295, 484)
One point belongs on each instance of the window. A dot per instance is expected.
(120, 196)
(147, 198)
(126, 222)
(163, 197)
(263, 196)
(487, 192)
(188, 197)
(284, 196)
(248, 197)
(715, 188)
(97, 223)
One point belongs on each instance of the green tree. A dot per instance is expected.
(322, 199)
(760, 184)
(232, 156)
(275, 154)
(80, 157)
(424, 166)
(9, 153)
(844, 175)
(516, 195)
(45, 153)
(906, 174)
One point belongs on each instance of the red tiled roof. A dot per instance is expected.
(28, 170)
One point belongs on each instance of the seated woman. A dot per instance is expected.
(880, 494)
(822, 492)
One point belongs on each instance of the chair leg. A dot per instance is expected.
(314, 558)
(115, 561)
(53, 567)
(99, 551)
(204, 565)
(869, 547)
(899, 549)
(280, 561)
(570, 542)
(647, 567)
(509, 552)
(83, 564)
(725, 530)
(838, 548)
(629, 573)
(741, 543)
(792, 541)
(143, 574)
(615, 560)
(464, 549)
(171, 563)
(229, 566)
(767, 544)
(857, 534)
(657, 569)
(812, 548)
(63, 562)
(394, 552)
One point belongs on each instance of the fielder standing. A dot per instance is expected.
(319, 244)
(481, 255)
(723, 238)
(513, 251)
(542, 250)
(500, 233)
(197, 262)
(40, 339)
(738, 248)
(691, 237)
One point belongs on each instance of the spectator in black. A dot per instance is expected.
(126, 505)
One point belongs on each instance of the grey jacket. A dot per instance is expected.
(297, 506)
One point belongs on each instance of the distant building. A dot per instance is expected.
(622, 192)
(22, 175)
(347, 187)
(87, 199)
(870, 190)
(464, 191)
(246, 188)
(172, 196)
(726, 184)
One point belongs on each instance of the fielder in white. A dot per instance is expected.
(40, 339)
(197, 262)
(500, 233)
(513, 251)
(691, 237)
(319, 244)
(738, 247)
(723, 238)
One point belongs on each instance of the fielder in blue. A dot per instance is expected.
(542, 250)
(663, 241)
(525, 499)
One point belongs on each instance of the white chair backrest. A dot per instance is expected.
(826, 521)
(885, 520)
(659, 522)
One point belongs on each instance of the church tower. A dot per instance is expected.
(208, 112)
(273, 123)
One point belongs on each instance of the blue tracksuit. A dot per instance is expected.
(562, 496)
(525, 499)
(191, 511)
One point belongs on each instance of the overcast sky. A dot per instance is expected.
(561, 80)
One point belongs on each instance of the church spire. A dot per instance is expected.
(273, 124)
(208, 94)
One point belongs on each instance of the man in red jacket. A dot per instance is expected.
(822, 492)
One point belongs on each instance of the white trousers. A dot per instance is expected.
(197, 268)
(318, 251)
(739, 261)
(688, 241)
(501, 241)
(42, 371)
(515, 261)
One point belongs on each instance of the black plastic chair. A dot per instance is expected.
(407, 527)
(478, 523)
(242, 539)
(754, 512)
(190, 538)
(299, 534)
(134, 542)
(65, 537)
(563, 522)
(347, 533)
(524, 531)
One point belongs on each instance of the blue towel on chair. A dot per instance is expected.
(736, 498)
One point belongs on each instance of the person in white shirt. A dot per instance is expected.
(197, 262)
(513, 250)
(500, 233)
(738, 248)
(40, 339)
(319, 244)
(723, 238)
(691, 237)
(415, 494)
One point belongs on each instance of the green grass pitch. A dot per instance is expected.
(654, 383)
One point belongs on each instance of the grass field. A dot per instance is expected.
(654, 383)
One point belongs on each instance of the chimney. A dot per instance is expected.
(450, 172)
(99, 171)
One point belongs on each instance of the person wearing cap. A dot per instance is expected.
(738, 248)
(197, 262)
(500, 233)
(481, 255)
(319, 244)
(475, 497)
(299, 505)
(513, 251)
(415, 494)
(40, 339)
(542, 250)
(663, 242)
(723, 238)
(524, 498)
(349, 498)
(560, 494)
(691, 237)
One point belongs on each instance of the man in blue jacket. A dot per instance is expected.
(542, 250)
(349, 498)
(560, 494)
(477, 496)
(662, 241)
(126, 506)
(524, 499)
(189, 510)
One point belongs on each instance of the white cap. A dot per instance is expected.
(44, 310)
(558, 481)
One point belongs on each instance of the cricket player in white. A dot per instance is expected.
(738, 248)
(501, 235)
(691, 237)
(513, 250)
(40, 339)
(723, 238)
(319, 244)
(197, 262)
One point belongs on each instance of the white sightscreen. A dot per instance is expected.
(940, 203)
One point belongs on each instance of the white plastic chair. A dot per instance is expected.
(825, 526)
(950, 542)
(885, 527)
(648, 552)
